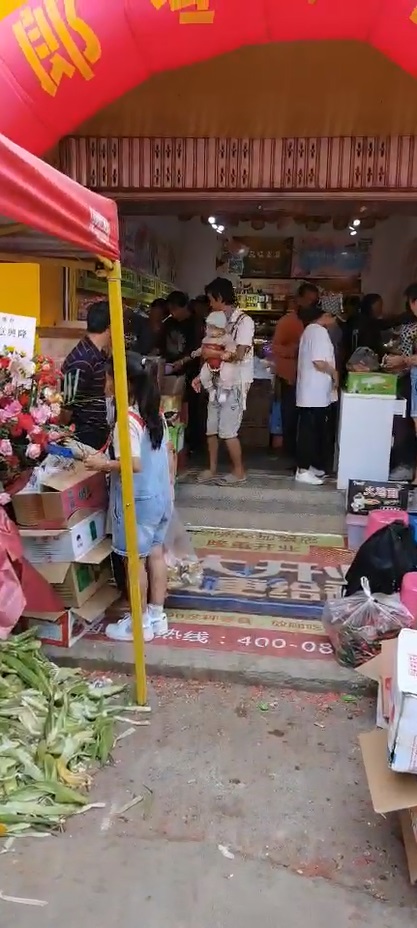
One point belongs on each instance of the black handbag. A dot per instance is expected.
(383, 559)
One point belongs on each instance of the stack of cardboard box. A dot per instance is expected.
(390, 750)
(63, 532)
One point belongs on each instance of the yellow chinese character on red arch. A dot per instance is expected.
(47, 42)
(413, 16)
(192, 12)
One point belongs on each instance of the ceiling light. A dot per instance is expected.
(212, 220)
(353, 232)
(356, 223)
(220, 229)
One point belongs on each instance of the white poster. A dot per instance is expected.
(18, 332)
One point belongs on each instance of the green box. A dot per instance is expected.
(375, 383)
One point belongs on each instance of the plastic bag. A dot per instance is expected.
(357, 624)
(183, 564)
(383, 558)
(363, 359)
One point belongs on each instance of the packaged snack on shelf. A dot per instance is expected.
(356, 625)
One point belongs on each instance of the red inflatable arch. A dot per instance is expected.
(62, 60)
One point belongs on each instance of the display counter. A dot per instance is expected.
(365, 436)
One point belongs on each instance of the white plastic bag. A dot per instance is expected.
(182, 561)
(357, 624)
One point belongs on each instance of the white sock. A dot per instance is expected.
(155, 612)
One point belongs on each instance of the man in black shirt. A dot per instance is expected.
(84, 375)
(179, 338)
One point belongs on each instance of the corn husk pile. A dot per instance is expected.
(54, 726)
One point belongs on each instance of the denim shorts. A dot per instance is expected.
(413, 404)
(152, 520)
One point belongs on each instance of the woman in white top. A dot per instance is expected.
(317, 382)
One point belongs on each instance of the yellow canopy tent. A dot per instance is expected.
(47, 217)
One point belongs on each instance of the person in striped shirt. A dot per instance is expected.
(84, 379)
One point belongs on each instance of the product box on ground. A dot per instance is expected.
(380, 669)
(69, 491)
(364, 496)
(55, 546)
(371, 384)
(63, 629)
(402, 730)
(78, 581)
(390, 792)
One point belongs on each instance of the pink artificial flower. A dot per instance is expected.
(33, 451)
(12, 411)
(55, 410)
(6, 449)
(36, 430)
(8, 389)
(54, 436)
(4, 499)
(41, 414)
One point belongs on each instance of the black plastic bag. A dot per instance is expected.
(383, 559)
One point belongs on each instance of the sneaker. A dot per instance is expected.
(122, 630)
(317, 473)
(307, 476)
(159, 624)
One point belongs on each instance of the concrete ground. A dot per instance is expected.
(255, 811)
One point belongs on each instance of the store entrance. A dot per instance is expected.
(268, 247)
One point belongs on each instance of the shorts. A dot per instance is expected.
(152, 520)
(413, 403)
(225, 419)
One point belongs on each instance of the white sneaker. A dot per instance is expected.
(159, 625)
(307, 476)
(123, 631)
(317, 473)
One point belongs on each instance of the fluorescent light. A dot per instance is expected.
(212, 220)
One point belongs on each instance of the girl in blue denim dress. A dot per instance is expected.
(149, 442)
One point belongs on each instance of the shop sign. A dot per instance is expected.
(18, 332)
(365, 496)
(267, 257)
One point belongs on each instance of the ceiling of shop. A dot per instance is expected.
(283, 90)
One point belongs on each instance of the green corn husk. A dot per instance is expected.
(53, 725)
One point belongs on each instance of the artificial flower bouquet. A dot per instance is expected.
(30, 410)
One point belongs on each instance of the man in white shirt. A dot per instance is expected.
(316, 390)
(224, 419)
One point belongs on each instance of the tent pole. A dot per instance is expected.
(119, 358)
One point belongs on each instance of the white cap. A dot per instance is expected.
(217, 319)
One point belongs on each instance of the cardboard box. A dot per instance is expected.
(63, 629)
(402, 730)
(63, 494)
(56, 546)
(77, 582)
(390, 792)
(364, 496)
(376, 383)
(380, 669)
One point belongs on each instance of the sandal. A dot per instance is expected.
(229, 480)
(206, 476)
